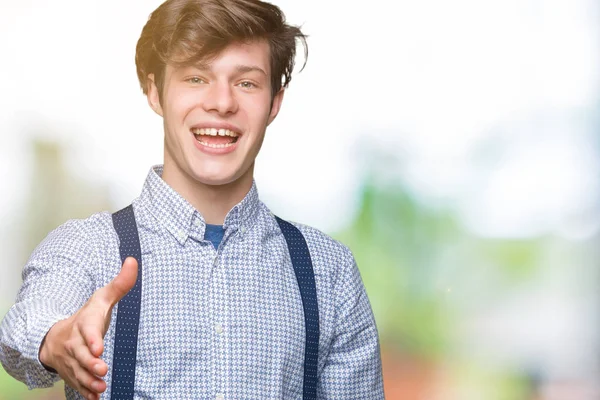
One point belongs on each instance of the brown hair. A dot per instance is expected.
(186, 32)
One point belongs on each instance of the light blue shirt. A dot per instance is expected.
(214, 324)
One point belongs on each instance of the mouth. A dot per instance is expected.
(215, 138)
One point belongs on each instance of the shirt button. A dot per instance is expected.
(181, 235)
(220, 397)
(197, 222)
(219, 328)
(216, 261)
(243, 229)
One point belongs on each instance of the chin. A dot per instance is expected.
(218, 173)
(214, 179)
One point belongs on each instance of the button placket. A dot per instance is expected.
(220, 321)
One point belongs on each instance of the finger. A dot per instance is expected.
(87, 394)
(86, 360)
(85, 383)
(92, 336)
(90, 382)
(122, 283)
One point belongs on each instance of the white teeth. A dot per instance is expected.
(214, 132)
(215, 146)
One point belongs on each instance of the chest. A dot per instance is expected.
(235, 308)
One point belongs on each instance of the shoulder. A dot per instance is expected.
(77, 251)
(328, 254)
(79, 235)
(97, 225)
(337, 277)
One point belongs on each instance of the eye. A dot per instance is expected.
(195, 80)
(247, 85)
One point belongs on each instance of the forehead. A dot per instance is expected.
(238, 56)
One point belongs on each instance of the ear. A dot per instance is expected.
(276, 105)
(153, 97)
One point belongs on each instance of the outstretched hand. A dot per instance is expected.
(73, 346)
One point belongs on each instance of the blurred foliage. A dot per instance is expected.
(396, 243)
(421, 268)
(471, 380)
(56, 195)
(518, 259)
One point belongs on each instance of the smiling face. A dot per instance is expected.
(215, 116)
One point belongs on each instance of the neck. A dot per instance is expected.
(212, 201)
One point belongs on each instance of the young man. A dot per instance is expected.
(221, 315)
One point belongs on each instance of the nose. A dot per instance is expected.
(220, 99)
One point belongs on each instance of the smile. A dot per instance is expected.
(215, 138)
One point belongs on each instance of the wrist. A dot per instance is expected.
(44, 354)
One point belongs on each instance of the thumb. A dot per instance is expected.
(122, 283)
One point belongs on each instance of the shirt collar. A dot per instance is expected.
(177, 215)
(244, 213)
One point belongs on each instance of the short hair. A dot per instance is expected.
(186, 32)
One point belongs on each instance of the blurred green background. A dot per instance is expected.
(453, 147)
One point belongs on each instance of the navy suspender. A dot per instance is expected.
(128, 311)
(306, 282)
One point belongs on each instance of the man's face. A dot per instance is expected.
(215, 115)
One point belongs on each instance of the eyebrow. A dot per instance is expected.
(239, 68)
(249, 68)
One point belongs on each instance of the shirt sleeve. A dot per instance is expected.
(352, 368)
(56, 283)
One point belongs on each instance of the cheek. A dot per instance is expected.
(258, 110)
(178, 104)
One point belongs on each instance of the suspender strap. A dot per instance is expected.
(306, 282)
(128, 310)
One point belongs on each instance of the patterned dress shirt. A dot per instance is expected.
(223, 323)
